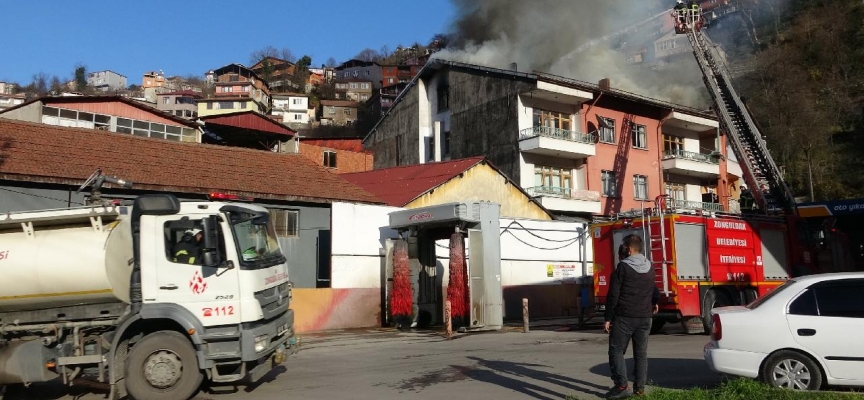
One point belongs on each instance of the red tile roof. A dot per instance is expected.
(249, 120)
(52, 154)
(398, 186)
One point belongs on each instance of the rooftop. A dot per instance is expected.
(398, 186)
(52, 154)
(55, 100)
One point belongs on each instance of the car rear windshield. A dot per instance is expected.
(761, 300)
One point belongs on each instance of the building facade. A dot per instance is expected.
(106, 113)
(339, 155)
(358, 90)
(10, 100)
(357, 69)
(393, 74)
(338, 112)
(8, 88)
(180, 104)
(153, 79)
(277, 72)
(292, 107)
(106, 81)
(583, 150)
(236, 83)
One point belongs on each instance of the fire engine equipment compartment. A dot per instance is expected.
(477, 225)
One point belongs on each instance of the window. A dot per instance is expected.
(445, 145)
(609, 183)
(285, 222)
(242, 104)
(210, 106)
(675, 190)
(672, 144)
(553, 180)
(364, 86)
(353, 86)
(367, 73)
(330, 159)
(640, 187)
(443, 98)
(298, 117)
(640, 141)
(346, 111)
(331, 110)
(295, 101)
(607, 132)
(246, 88)
(225, 105)
(551, 119)
(227, 89)
(840, 298)
(165, 100)
(181, 246)
(390, 80)
(805, 304)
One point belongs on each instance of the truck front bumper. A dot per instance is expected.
(277, 335)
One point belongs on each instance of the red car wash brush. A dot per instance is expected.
(457, 289)
(401, 299)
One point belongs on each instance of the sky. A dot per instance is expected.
(191, 37)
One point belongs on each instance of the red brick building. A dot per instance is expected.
(341, 155)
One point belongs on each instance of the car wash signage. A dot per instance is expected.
(443, 213)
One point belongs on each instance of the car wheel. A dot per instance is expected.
(792, 370)
(713, 299)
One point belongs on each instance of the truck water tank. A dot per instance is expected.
(65, 265)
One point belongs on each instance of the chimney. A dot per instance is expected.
(605, 84)
(513, 66)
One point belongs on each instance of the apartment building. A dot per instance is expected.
(353, 89)
(237, 89)
(277, 72)
(153, 79)
(7, 87)
(181, 104)
(106, 81)
(393, 74)
(583, 150)
(358, 69)
(338, 112)
(10, 100)
(292, 107)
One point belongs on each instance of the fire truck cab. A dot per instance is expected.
(701, 259)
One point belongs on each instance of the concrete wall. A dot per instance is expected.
(30, 113)
(356, 297)
(483, 183)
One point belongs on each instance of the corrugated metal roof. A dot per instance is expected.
(398, 186)
(249, 120)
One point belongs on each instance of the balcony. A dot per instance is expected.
(695, 205)
(566, 200)
(692, 164)
(557, 142)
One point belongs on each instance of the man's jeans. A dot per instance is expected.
(623, 330)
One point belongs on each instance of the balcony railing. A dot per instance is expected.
(556, 133)
(689, 155)
(564, 193)
(696, 205)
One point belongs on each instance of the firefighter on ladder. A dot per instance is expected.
(680, 13)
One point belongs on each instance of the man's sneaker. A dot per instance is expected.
(639, 392)
(619, 392)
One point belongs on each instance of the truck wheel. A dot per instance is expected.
(792, 370)
(713, 299)
(162, 366)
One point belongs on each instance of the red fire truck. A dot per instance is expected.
(701, 260)
(704, 259)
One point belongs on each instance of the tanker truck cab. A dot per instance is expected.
(234, 293)
(128, 296)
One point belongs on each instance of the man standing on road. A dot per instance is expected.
(630, 305)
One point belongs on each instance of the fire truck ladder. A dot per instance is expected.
(760, 170)
(658, 243)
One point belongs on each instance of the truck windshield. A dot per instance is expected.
(256, 240)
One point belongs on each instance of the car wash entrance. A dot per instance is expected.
(449, 252)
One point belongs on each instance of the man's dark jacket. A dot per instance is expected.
(632, 290)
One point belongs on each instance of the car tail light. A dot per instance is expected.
(717, 330)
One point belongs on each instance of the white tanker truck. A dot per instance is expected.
(96, 292)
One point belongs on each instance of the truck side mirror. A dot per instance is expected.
(210, 249)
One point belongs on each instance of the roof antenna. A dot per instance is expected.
(96, 180)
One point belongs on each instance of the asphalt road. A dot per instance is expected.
(541, 364)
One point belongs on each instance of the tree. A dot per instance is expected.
(368, 54)
(258, 55)
(56, 85)
(80, 75)
(331, 63)
(301, 73)
(287, 55)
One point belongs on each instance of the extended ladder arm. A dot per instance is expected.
(746, 140)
